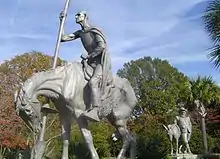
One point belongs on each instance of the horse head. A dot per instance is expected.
(28, 107)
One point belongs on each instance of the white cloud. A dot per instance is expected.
(187, 59)
(26, 36)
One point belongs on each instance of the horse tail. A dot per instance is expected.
(130, 94)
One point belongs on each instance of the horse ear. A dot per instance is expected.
(165, 128)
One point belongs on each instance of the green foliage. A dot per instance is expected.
(159, 88)
(114, 146)
(213, 156)
(217, 145)
(212, 25)
(152, 141)
(205, 90)
(157, 101)
(53, 136)
(14, 134)
(77, 148)
(208, 92)
(196, 144)
(158, 85)
(101, 136)
(26, 64)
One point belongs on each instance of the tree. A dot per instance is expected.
(158, 85)
(205, 90)
(101, 136)
(152, 141)
(212, 25)
(12, 73)
(207, 94)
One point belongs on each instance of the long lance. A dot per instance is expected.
(60, 34)
(55, 57)
(38, 149)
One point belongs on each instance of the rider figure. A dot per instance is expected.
(94, 43)
(185, 125)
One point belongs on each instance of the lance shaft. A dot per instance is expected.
(40, 146)
(60, 34)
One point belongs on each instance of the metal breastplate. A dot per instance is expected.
(88, 41)
(182, 123)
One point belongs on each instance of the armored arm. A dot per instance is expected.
(176, 120)
(70, 37)
(101, 45)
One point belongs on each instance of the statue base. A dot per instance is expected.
(186, 156)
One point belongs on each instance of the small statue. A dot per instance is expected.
(173, 132)
(95, 45)
(185, 125)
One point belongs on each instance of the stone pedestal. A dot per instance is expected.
(214, 156)
(186, 156)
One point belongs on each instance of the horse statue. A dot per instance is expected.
(173, 132)
(68, 88)
(180, 129)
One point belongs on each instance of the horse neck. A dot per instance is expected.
(43, 83)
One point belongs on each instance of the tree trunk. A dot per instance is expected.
(203, 127)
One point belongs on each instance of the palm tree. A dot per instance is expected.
(205, 90)
(212, 26)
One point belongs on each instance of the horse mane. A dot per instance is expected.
(51, 71)
(38, 75)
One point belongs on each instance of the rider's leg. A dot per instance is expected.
(94, 84)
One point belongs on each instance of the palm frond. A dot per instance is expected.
(214, 56)
(212, 20)
(205, 89)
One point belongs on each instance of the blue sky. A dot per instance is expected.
(168, 29)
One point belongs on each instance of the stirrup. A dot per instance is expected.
(92, 114)
(91, 108)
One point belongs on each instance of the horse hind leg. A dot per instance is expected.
(133, 144)
(127, 139)
(180, 149)
(87, 135)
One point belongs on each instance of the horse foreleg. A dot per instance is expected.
(171, 146)
(65, 129)
(87, 135)
(177, 146)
